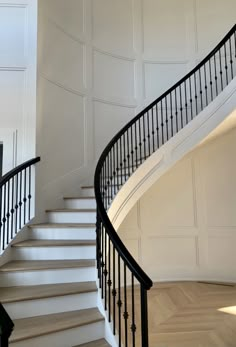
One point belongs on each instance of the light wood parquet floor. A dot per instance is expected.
(189, 314)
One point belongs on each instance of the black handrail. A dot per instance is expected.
(15, 201)
(6, 327)
(128, 149)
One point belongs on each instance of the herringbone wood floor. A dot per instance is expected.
(188, 314)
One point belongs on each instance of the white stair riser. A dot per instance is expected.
(69, 337)
(63, 233)
(27, 278)
(87, 192)
(54, 253)
(80, 203)
(38, 307)
(72, 217)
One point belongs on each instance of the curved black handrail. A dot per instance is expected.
(132, 145)
(6, 327)
(15, 201)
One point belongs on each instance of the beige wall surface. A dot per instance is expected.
(184, 226)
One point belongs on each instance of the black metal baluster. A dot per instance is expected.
(132, 148)
(195, 85)
(211, 82)
(200, 82)
(148, 135)
(167, 122)
(144, 140)
(176, 111)
(114, 292)
(186, 103)
(171, 116)
(1, 224)
(124, 158)
(24, 199)
(114, 171)
(136, 144)
(102, 261)
(128, 153)
(191, 97)
(8, 211)
(109, 280)
(153, 132)
(4, 216)
(117, 167)
(181, 106)
(226, 66)
(105, 269)
(231, 59)
(121, 162)
(133, 325)
(125, 315)
(140, 141)
(162, 124)
(157, 126)
(29, 195)
(221, 72)
(216, 78)
(119, 302)
(205, 79)
(144, 316)
(12, 208)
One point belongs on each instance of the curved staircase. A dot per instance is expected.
(49, 286)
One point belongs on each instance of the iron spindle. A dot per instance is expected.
(167, 123)
(226, 66)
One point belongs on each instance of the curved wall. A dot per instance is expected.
(184, 226)
(99, 63)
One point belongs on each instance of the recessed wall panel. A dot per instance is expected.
(160, 77)
(168, 252)
(12, 35)
(69, 15)
(219, 172)
(113, 77)
(108, 120)
(12, 84)
(63, 109)
(62, 58)
(165, 29)
(214, 19)
(170, 201)
(113, 26)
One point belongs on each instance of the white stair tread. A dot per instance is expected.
(54, 243)
(65, 210)
(42, 325)
(34, 265)
(97, 343)
(24, 293)
(62, 225)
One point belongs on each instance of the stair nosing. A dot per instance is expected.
(56, 328)
(85, 263)
(66, 210)
(54, 294)
(53, 243)
(62, 225)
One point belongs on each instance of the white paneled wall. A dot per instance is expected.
(18, 37)
(100, 62)
(184, 226)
